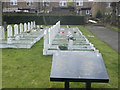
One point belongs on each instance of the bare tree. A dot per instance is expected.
(0, 13)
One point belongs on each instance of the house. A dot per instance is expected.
(62, 6)
(15, 6)
(75, 7)
(104, 7)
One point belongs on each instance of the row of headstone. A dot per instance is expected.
(53, 31)
(17, 30)
(23, 28)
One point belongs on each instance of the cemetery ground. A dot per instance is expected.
(28, 68)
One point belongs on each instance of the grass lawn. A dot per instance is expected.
(28, 68)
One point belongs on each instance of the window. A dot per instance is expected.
(29, 3)
(63, 3)
(79, 3)
(87, 12)
(109, 5)
(46, 3)
(13, 2)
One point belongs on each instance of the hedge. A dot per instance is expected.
(50, 19)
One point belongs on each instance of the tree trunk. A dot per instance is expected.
(0, 13)
(113, 20)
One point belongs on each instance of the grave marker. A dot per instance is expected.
(34, 25)
(9, 34)
(29, 27)
(25, 27)
(9, 31)
(2, 33)
(15, 29)
(21, 27)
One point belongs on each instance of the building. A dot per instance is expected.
(63, 6)
(14, 6)
(104, 7)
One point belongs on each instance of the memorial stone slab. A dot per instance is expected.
(85, 67)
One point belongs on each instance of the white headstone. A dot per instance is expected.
(15, 29)
(9, 31)
(34, 25)
(29, 27)
(9, 34)
(21, 27)
(25, 27)
(70, 44)
(45, 40)
(2, 33)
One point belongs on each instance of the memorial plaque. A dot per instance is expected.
(76, 66)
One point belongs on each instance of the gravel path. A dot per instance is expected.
(107, 35)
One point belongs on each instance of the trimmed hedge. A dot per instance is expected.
(50, 19)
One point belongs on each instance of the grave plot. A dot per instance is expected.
(67, 39)
(75, 59)
(20, 36)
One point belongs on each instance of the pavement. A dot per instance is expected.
(107, 35)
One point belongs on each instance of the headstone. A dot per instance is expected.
(9, 31)
(17, 37)
(34, 25)
(15, 29)
(5, 26)
(29, 27)
(25, 27)
(21, 27)
(49, 30)
(70, 44)
(45, 40)
(2, 33)
(9, 34)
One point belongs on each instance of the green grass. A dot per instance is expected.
(28, 68)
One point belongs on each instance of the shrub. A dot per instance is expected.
(50, 19)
